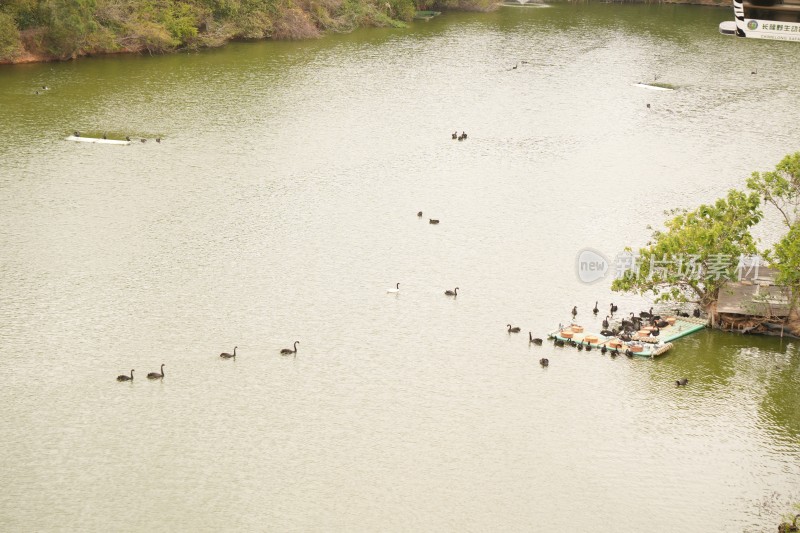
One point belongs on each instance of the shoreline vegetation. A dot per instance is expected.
(59, 30)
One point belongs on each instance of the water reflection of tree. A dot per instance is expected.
(781, 402)
(720, 365)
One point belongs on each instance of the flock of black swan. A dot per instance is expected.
(151, 375)
(627, 326)
(223, 355)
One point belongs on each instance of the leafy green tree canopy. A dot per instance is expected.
(780, 187)
(697, 253)
(787, 257)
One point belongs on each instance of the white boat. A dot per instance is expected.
(727, 27)
(93, 140)
(778, 20)
(652, 87)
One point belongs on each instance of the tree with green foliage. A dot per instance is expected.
(10, 45)
(780, 189)
(65, 29)
(791, 521)
(697, 253)
(72, 27)
(787, 262)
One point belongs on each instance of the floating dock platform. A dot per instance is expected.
(642, 344)
(94, 140)
(652, 87)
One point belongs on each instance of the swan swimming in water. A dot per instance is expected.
(156, 375)
(287, 351)
(123, 377)
(452, 293)
(226, 355)
(396, 289)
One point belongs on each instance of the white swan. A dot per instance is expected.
(396, 289)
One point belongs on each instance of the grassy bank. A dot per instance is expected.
(42, 30)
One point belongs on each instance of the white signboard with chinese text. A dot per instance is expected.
(770, 29)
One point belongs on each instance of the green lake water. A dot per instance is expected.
(280, 206)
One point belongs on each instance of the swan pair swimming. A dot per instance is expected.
(151, 375)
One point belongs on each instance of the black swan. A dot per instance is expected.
(123, 377)
(156, 375)
(452, 293)
(226, 355)
(512, 330)
(287, 351)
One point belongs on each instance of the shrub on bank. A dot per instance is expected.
(10, 44)
(63, 29)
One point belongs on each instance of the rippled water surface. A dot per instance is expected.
(282, 204)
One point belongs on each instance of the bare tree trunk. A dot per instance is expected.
(793, 322)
